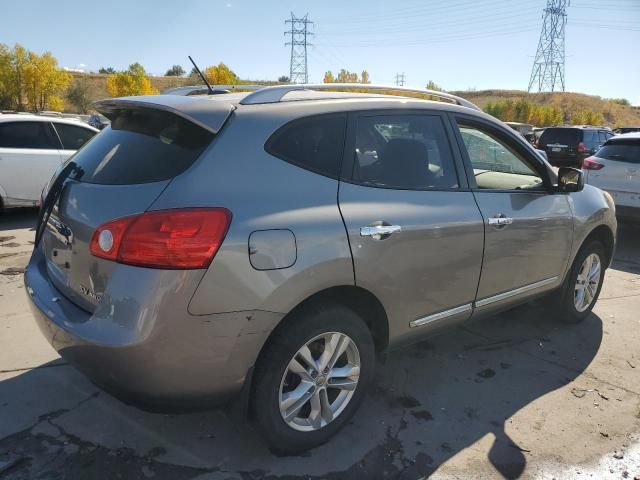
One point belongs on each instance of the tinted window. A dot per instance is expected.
(562, 136)
(602, 137)
(403, 151)
(36, 135)
(313, 143)
(621, 151)
(73, 137)
(141, 145)
(496, 165)
(591, 138)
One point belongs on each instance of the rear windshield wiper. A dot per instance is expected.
(52, 197)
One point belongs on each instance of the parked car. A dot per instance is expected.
(620, 130)
(267, 246)
(32, 147)
(98, 121)
(615, 168)
(523, 129)
(569, 146)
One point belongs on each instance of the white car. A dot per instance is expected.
(31, 148)
(615, 167)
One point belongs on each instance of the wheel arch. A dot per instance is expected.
(604, 235)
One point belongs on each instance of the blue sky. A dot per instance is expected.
(459, 44)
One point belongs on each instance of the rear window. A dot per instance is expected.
(141, 145)
(314, 143)
(562, 136)
(621, 151)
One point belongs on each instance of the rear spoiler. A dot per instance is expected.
(206, 112)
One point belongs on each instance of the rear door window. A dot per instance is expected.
(410, 152)
(141, 145)
(561, 136)
(34, 135)
(621, 151)
(72, 136)
(314, 143)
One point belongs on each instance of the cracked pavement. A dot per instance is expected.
(513, 396)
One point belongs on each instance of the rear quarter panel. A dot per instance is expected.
(262, 192)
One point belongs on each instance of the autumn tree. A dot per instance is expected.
(133, 81)
(80, 94)
(175, 71)
(44, 82)
(221, 75)
(431, 85)
(12, 65)
(345, 76)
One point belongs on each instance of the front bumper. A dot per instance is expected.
(146, 348)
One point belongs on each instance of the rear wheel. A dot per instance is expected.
(581, 289)
(312, 376)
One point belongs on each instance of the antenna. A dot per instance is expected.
(547, 73)
(204, 79)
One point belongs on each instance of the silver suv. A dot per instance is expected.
(267, 246)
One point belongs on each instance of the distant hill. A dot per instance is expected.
(613, 112)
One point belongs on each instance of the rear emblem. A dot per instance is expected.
(90, 293)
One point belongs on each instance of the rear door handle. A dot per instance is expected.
(379, 231)
(499, 221)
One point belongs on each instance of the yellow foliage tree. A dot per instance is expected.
(133, 81)
(345, 76)
(221, 75)
(44, 81)
(328, 77)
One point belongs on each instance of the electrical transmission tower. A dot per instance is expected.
(400, 79)
(547, 73)
(299, 32)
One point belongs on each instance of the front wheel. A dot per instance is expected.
(581, 289)
(312, 376)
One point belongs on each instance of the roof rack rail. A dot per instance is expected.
(274, 94)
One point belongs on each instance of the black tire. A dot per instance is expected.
(562, 302)
(303, 326)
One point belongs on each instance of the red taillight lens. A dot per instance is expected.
(590, 163)
(175, 239)
(581, 147)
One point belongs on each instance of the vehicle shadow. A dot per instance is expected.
(429, 402)
(18, 218)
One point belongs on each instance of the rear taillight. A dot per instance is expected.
(590, 163)
(581, 147)
(174, 239)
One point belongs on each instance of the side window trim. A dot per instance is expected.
(502, 135)
(348, 161)
(308, 118)
(54, 133)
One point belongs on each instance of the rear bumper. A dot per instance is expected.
(150, 351)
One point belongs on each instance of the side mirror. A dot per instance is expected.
(570, 179)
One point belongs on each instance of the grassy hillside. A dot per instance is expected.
(614, 113)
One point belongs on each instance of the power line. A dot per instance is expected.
(547, 73)
(298, 71)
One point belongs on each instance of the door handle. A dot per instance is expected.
(378, 232)
(499, 221)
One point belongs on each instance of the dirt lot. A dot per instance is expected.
(512, 396)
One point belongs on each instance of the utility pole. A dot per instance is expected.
(298, 72)
(547, 73)
(400, 79)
